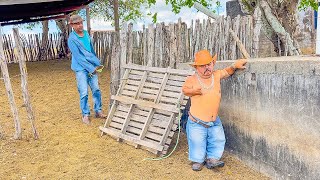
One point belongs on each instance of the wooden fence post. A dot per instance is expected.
(151, 30)
(24, 81)
(115, 65)
(130, 43)
(123, 47)
(6, 78)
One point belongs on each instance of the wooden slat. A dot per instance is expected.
(127, 119)
(123, 107)
(175, 83)
(137, 72)
(178, 78)
(115, 125)
(159, 70)
(130, 87)
(157, 75)
(132, 139)
(134, 77)
(171, 94)
(134, 82)
(169, 100)
(153, 136)
(151, 85)
(156, 81)
(140, 112)
(173, 88)
(149, 91)
(138, 125)
(114, 104)
(117, 119)
(161, 116)
(148, 96)
(167, 130)
(128, 93)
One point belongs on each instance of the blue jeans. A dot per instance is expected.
(205, 142)
(83, 80)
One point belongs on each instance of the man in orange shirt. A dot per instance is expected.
(205, 133)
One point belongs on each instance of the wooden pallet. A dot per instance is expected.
(145, 109)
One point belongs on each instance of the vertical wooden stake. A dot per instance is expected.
(24, 81)
(6, 78)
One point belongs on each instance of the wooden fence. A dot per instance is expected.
(157, 45)
(102, 43)
(162, 45)
(33, 49)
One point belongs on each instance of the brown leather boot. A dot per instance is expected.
(101, 115)
(86, 120)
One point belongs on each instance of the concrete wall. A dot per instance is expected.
(271, 116)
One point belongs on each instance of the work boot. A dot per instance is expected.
(211, 163)
(100, 115)
(86, 120)
(197, 166)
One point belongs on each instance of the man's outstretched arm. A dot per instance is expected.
(239, 64)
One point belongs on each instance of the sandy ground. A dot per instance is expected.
(68, 149)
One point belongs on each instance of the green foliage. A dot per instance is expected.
(154, 18)
(308, 3)
(132, 9)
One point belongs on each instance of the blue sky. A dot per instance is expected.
(164, 15)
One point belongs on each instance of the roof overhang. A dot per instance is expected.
(23, 11)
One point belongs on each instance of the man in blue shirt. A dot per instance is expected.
(85, 64)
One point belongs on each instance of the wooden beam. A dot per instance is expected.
(158, 70)
(144, 103)
(7, 83)
(112, 132)
(33, 20)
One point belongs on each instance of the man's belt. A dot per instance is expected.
(197, 121)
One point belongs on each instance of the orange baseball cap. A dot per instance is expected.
(203, 57)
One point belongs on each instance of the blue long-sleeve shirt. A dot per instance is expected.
(82, 59)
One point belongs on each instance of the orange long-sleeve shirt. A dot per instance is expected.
(206, 106)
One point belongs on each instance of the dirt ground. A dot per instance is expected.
(68, 149)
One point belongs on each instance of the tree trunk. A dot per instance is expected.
(283, 34)
(44, 42)
(88, 20)
(63, 44)
(279, 21)
(116, 15)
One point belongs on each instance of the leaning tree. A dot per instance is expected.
(279, 20)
